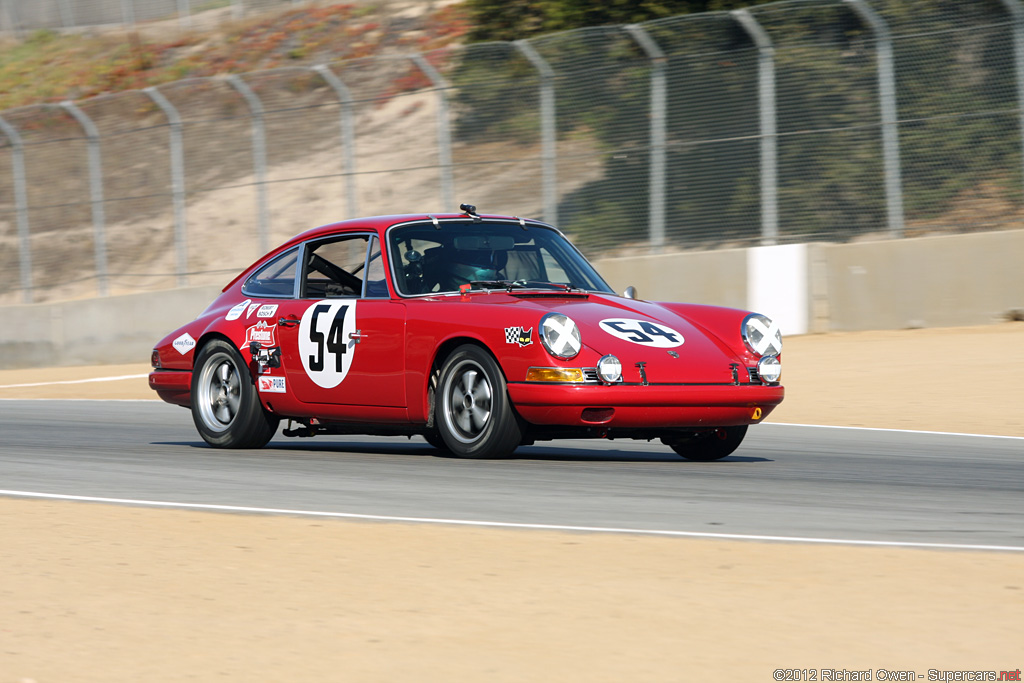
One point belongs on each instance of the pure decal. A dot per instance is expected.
(252, 307)
(236, 312)
(643, 332)
(184, 343)
(261, 332)
(271, 385)
(519, 335)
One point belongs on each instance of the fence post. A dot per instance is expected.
(656, 199)
(1016, 11)
(348, 134)
(184, 13)
(128, 13)
(769, 140)
(259, 157)
(177, 181)
(67, 17)
(548, 133)
(20, 208)
(444, 138)
(95, 193)
(887, 104)
(12, 17)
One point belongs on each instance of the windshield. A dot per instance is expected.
(434, 260)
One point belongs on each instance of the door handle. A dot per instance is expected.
(357, 336)
(286, 322)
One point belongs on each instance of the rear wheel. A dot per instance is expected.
(473, 415)
(713, 444)
(225, 407)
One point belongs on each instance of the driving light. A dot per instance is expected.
(769, 369)
(609, 369)
(560, 335)
(761, 335)
(554, 375)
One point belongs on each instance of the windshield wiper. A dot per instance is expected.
(491, 284)
(545, 285)
(509, 285)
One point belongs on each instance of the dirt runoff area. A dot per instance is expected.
(102, 593)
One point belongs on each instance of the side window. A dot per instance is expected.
(277, 278)
(334, 268)
(376, 280)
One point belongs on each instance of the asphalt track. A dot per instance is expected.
(784, 481)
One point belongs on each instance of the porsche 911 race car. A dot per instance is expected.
(479, 333)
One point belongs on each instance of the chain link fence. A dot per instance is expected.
(21, 17)
(788, 122)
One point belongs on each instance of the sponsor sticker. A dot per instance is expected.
(236, 312)
(326, 346)
(271, 385)
(519, 335)
(643, 332)
(267, 311)
(252, 307)
(261, 332)
(184, 343)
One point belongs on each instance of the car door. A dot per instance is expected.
(342, 339)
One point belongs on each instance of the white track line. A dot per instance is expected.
(511, 525)
(72, 381)
(885, 429)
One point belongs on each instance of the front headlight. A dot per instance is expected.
(761, 335)
(560, 336)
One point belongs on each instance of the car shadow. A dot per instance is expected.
(419, 449)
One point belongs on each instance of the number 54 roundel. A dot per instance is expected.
(325, 343)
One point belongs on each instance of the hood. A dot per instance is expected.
(672, 349)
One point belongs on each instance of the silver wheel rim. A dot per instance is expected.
(467, 402)
(220, 392)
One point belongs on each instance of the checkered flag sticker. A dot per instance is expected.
(519, 335)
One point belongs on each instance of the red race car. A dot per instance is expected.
(480, 333)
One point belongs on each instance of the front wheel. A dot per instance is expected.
(225, 406)
(473, 415)
(713, 444)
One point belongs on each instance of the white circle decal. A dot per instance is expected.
(325, 344)
(642, 332)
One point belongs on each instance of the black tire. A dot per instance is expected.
(713, 444)
(225, 407)
(433, 437)
(472, 411)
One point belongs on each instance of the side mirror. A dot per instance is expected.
(630, 292)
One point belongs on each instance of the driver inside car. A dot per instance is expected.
(466, 265)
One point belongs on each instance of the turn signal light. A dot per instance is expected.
(554, 375)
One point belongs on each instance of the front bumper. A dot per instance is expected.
(173, 386)
(655, 405)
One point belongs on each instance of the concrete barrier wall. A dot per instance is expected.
(925, 282)
(892, 284)
(117, 329)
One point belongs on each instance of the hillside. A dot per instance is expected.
(47, 66)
